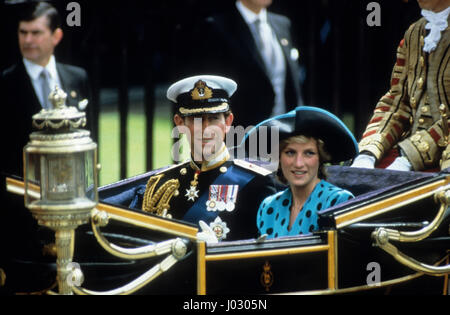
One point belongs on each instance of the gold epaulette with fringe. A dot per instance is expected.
(158, 202)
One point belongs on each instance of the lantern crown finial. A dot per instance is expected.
(58, 98)
(60, 117)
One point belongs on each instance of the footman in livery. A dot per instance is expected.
(409, 127)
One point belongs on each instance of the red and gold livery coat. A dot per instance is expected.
(411, 114)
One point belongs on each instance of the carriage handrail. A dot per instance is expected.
(136, 284)
(100, 218)
(383, 236)
(441, 195)
(413, 263)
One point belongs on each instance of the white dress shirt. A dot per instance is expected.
(34, 71)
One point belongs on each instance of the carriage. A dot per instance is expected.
(393, 237)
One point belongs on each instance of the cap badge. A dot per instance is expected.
(201, 91)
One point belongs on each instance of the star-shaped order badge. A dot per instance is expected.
(219, 228)
(191, 193)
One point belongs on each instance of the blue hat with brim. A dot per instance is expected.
(313, 122)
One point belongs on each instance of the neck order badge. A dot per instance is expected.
(192, 192)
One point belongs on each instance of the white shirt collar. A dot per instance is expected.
(250, 16)
(34, 70)
(441, 16)
(437, 23)
(216, 160)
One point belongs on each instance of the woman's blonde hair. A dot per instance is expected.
(324, 156)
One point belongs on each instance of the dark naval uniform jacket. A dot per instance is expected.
(412, 114)
(241, 184)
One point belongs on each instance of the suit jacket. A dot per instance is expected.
(20, 103)
(223, 45)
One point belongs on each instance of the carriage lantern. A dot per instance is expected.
(61, 177)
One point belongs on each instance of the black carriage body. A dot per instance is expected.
(339, 259)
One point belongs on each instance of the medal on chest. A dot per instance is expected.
(192, 192)
(222, 197)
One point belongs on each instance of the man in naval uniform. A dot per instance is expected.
(409, 128)
(219, 194)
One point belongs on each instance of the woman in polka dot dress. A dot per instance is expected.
(301, 166)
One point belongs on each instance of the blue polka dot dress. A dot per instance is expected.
(274, 212)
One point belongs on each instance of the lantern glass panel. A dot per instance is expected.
(60, 178)
(32, 174)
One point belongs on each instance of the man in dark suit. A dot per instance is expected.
(22, 85)
(25, 93)
(259, 56)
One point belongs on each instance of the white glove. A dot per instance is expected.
(207, 234)
(400, 164)
(364, 161)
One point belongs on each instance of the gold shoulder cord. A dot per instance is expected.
(162, 196)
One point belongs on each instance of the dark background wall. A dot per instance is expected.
(347, 64)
